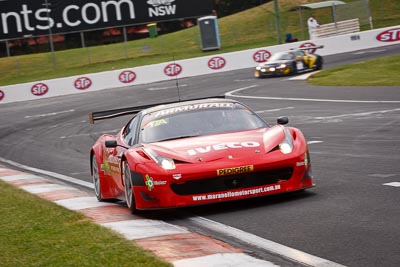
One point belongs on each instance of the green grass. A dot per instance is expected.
(249, 29)
(377, 72)
(36, 232)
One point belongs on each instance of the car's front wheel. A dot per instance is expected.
(129, 195)
(293, 69)
(96, 178)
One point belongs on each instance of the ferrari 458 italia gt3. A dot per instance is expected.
(197, 152)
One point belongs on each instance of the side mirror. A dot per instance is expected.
(111, 143)
(283, 120)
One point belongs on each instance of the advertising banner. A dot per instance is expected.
(26, 18)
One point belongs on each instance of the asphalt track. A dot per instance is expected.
(351, 217)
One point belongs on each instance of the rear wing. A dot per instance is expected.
(310, 47)
(108, 114)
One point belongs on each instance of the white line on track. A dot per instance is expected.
(370, 51)
(395, 184)
(358, 114)
(49, 114)
(89, 134)
(294, 254)
(273, 110)
(268, 245)
(232, 94)
(314, 142)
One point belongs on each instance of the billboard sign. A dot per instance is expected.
(25, 18)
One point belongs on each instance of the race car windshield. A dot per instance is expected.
(185, 123)
(282, 56)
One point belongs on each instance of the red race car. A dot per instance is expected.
(197, 152)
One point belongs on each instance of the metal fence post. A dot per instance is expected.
(46, 4)
(84, 46)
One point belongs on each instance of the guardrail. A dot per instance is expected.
(338, 28)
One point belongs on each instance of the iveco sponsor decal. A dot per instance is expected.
(222, 146)
(21, 18)
(391, 35)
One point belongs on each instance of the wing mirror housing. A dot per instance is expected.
(111, 143)
(283, 120)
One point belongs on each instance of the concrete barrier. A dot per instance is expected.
(192, 67)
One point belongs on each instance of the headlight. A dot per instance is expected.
(163, 162)
(167, 164)
(286, 146)
(282, 66)
(258, 68)
(272, 69)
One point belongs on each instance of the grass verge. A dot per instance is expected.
(36, 232)
(376, 72)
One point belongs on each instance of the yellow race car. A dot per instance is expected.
(289, 63)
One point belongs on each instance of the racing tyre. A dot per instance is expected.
(319, 63)
(293, 69)
(129, 196)
(96, 178)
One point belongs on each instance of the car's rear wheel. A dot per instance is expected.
(319, 63)
(129, 195)
(96, 178)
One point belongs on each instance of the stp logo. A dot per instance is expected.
(172, 69)
(127, 76)
(311, 45)
(216, 63)
(261, 56)
(82, 83)
(391, 35)
(39, 89)
(1, 95)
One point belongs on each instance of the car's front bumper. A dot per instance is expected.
(164, 194)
